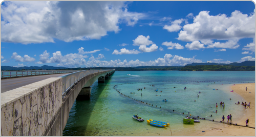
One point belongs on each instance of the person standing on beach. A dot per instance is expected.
(246, 88)
(223, 118)
(247, 121)
(230, 117)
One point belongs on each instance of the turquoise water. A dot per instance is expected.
(110, 113)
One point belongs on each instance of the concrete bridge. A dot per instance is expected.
(42, 108)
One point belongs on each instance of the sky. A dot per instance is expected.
(126, 34)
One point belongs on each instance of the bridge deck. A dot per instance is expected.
(9, 84)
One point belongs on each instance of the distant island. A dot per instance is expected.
(243, 66)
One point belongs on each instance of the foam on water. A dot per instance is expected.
(110, 113)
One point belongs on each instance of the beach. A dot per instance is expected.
(249, 113)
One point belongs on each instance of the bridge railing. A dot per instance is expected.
(69, 80)
(12, 74)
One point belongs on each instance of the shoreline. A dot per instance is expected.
(249, 113)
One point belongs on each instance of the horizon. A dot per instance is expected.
(126, 34)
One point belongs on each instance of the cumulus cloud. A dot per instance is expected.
(171, 45)
(3, 61)
(152, 48)
(81, 51)
(250, 47)
(69, 60)
(219, 27)
(195, 45)
(18, 58)
(143, 42)
(43, 21)
(175, 26)
(247, 58)
(125, 51)
(231, 44)
(100, 56)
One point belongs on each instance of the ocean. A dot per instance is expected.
(109, 112)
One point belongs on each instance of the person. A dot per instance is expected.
(245, 104)
(198, 95)
(242, 103)
(248, 105)
(238, 102)
(141, 94)
(246, 88)
(223, 118)
(221, 103)
(230, 99)
(184, 88)
(247, 121)
(216, 105)
(211, 116)
(230, 117)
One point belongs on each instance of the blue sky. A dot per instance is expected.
(126, 34)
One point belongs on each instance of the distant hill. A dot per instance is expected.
(245, 63)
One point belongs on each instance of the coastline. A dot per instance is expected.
(249, 113)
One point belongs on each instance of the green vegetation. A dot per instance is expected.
(218, 68)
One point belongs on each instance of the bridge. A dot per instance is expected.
(42, 108)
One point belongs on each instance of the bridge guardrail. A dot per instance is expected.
(69, 80)
(12, 74)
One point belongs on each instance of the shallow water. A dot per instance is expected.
(110, 113)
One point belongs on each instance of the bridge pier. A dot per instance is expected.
(101, 79)
(84, 94)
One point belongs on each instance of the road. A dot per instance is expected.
(12, 83)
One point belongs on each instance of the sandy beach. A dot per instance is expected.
(249, 113)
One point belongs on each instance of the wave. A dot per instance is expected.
(133, 75)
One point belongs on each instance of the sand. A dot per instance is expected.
(219, 129)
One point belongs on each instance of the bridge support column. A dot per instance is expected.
(101, 79)
(84, 94)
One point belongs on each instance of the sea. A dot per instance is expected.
(113, 103)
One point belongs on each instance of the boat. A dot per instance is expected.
(157, 123)
(196, 120)
(136, 117)
(188, 121)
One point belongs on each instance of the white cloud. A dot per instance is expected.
(250, 47)
(165, 19)
(106, 49)
(245, 52)
(69, 60)
(231, 44)
(81, 51)
(2, 57)
(142, 40)
(171, 45)
(190, 15)
(44, 21)
(152, 48)
(175, 25)
(125, 51)
(3, 61)
(18, 58)
(219, 50)
(123, 44)
(150, 24)
(161, 49)
(219, 61)
(247, 58)
(195, 45)
(219, 27)
(100, 56)
(19, 65)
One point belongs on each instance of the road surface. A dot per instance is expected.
(12, 83)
